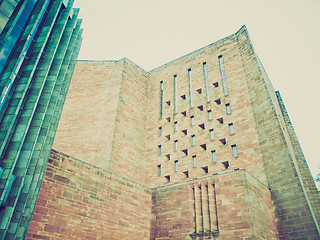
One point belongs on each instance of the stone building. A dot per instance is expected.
(39, 45)
(199, 148)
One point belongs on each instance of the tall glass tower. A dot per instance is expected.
(39, 45)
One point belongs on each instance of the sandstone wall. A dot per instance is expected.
(80, 201)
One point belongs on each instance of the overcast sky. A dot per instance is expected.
(285, 36)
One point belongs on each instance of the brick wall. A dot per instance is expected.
(292, 210)
(80, 201)
(242, 116)
(242, 203)
(86, 127)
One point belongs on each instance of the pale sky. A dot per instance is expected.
(285, 35)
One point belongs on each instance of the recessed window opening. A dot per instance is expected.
(200, 107)
(168, 157)
(205, 169)
(175, 111)
(206, 81)
(214, 156)
(175, 126)
(176, 165)
(204, 146)
(223, 76)
(218, 101)
(183, 97)
(234, 151)
(194, 161)
(185, 151)
(192, 120)
(184, 113)
(226, 164)
(160, 131)
(168, 103)
(186, 174)
(161, 98)
(159, 149)
(220, 120)
(228, 108)
(211, 134)
(167, 178)
(202, 126)
(159, 170)
(168, 119)
(210, 115)
(223, 141)
(185, 131)
(193, 140)
(231, 128)
(215, 84)
(190, 87)
(175, 145)
(168, 137)
(199, 90)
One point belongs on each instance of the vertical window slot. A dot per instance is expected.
(228, 108)
(214, 156)
(175, 111)
(161, 98)
(205, 72)
(190, 87)
(234, 151)
(223, 76)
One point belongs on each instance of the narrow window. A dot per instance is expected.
(190, 88)
(228, 108)
(231, 128)
(194, 161)
(211, 133)
(192, 120)
(209, 115)
(175, 126)
(160, 131)
(159, 149)
(159, 170)
(223, 76)
(214, 156)
(176, 166)
(234, 151)
(193, 140)
(161, 98)
(175, 94)
(205, 72)
(175, 145)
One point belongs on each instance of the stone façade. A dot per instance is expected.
(145, 178)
